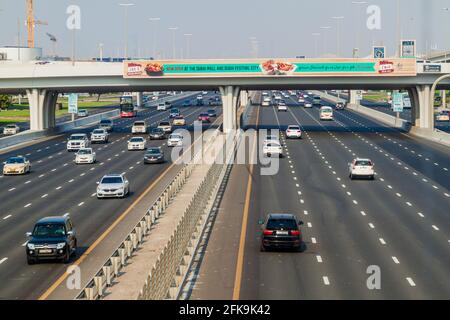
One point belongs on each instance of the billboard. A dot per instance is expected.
(408, 48)
(270, 68)
(73, 103)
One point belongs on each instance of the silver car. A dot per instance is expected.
(113, 186)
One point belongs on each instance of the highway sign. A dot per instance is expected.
(397, 102)
(432, 68)
(73, 103)
(408, 48)
(379, 52)
(359, 95)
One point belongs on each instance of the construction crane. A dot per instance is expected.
(31, 23)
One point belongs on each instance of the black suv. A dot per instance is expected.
(340, 106)
(281, 231)
(53, 238)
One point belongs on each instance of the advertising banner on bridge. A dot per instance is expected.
(270, 68)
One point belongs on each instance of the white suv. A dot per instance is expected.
(139, 127)
(175, 140)
(137, 143)
(161, 107)
(11, 129)
(99, 135)
(78, 141)
(85, 155)
(361, 168)
(113, 186)
(273, 148)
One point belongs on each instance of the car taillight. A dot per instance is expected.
(295, 232)
(268, 232)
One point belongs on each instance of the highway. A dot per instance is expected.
(399, 222)
(56, 186)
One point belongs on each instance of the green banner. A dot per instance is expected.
(343, 67)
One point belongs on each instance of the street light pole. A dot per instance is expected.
(173, 29)
(126, 6)
(358, 21)
(316, 44)
(188, 45)
(325, 38)
(338, 22)
(100, 45)
(154, 20)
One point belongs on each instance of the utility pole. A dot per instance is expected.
(126, 6)
(173, 29)
(338, 22)
(154, 21)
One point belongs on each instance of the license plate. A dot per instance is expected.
(282, 233)
(45, 251)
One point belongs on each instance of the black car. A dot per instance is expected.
(212, 113)
(340, 106)
(157, 134)
(281, 231)
(53, 238)
(154, 155)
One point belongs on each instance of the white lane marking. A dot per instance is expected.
(12, 189)
(411, 282)
(93, 195)
(71, 180)
(382, 241)
(319, 259)
(58, 188)
(42, 175)
(435, 228)
(313, 240)
(80, 204)
(309, 225)
(3, 260)
(28, 182)
(371, 226)
(27, 205)
(302, 201)
(7, 217)
(395, 260)
(305, 212)
(45, 196)
(355, 202)
(363, 213)
(420, 214)
(398, 195)
(326, 281)
(409, 204)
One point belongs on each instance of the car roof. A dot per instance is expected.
(54, 219)
(279, 216)
(113, 175)
(362, 159)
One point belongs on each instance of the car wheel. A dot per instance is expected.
(351, 176)
(31, 261)
(74, 252)
(262, 248)
(66, 258)
(372, 177)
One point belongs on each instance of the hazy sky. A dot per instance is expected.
(222, 29)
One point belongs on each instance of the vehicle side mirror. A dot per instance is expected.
(70, 233)
(260, 222)
(28, 234)
(4, 162)
(301, 223)
(98, 182)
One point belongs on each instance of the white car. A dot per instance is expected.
(282, 107)
(139, 127)
(166, 126)
(85, 156)
(326, 113)
(308, 105)
(271, 138)
(361, 168)
(294, 132)
(78, 141)
(113, 186)
(100, 136)
(161, 107)
(175, 140)
(301, 100)
(82, 113)
(16, 166)
(273, 148)
(137, 143)
(11, 129)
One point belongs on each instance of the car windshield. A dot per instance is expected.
(11, 126)
(157, 130)
(84, 151)
(363, 163)
(164, 124)
(98, 132)
(76, 137)
(106, 122)
(174, 111)
(154, 151)
(175, 136)
(282, 224)
(136, 139)
(15, 160)
(139, 123)
(111, 180)
(50, 230)
(294, 128)
(203, 114)
(211, 111)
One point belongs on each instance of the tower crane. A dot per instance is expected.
(32, 23)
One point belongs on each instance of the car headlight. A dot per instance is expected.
(30, 246)
(60, 246)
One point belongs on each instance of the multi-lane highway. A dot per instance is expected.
(398, 223)
(56, 186)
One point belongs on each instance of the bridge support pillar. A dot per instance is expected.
(230, 99)
(139, 99)
(42, 108)
(426, 111)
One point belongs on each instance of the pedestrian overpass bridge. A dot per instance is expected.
(43, 81)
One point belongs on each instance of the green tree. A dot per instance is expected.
(5, 101)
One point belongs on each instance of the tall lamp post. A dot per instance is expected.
(126, 6)
(338, 34)
(154, 21)
(358, 21)
(316, 36)
(188, 45)
(325, 38)
(173, 29)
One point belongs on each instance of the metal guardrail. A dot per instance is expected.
(111, 269)
(166, 277)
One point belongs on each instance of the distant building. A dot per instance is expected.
(23, 54)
